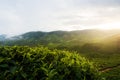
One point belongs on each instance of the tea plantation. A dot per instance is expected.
(39, 63)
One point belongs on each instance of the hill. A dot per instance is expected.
(99, 46)
(2, 37)
(71, 40)
(103, 41)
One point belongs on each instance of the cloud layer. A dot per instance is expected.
(19, 16)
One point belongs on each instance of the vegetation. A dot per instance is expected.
(38, 63)
(100, 47)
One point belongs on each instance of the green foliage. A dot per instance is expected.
(38, 63)
(113, 74)
(101, 47)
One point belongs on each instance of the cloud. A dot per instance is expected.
(19, 16)
(96, 3)
(8, 21)
(91, 16)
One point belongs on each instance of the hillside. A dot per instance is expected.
(88, 40)
(99, 46)
(2, 37)
(62, 36)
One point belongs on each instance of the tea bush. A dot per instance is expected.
(38, 63)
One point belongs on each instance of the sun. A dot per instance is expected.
(115, 25)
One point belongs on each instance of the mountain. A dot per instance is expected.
(79, 40)
(57, 37)
(2, 37)
(64, 36)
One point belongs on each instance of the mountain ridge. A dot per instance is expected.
(64, 38)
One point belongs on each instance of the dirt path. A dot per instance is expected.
(109, 68)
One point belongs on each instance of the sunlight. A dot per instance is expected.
(108, 26)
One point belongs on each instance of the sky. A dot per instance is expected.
(20, 16)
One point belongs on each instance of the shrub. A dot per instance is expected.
(38, 63)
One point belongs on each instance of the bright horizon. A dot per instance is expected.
(20, 16)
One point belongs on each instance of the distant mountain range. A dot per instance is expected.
(64, 39)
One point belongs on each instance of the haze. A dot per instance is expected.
(19, 16)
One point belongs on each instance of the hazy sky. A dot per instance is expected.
(19, 16)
